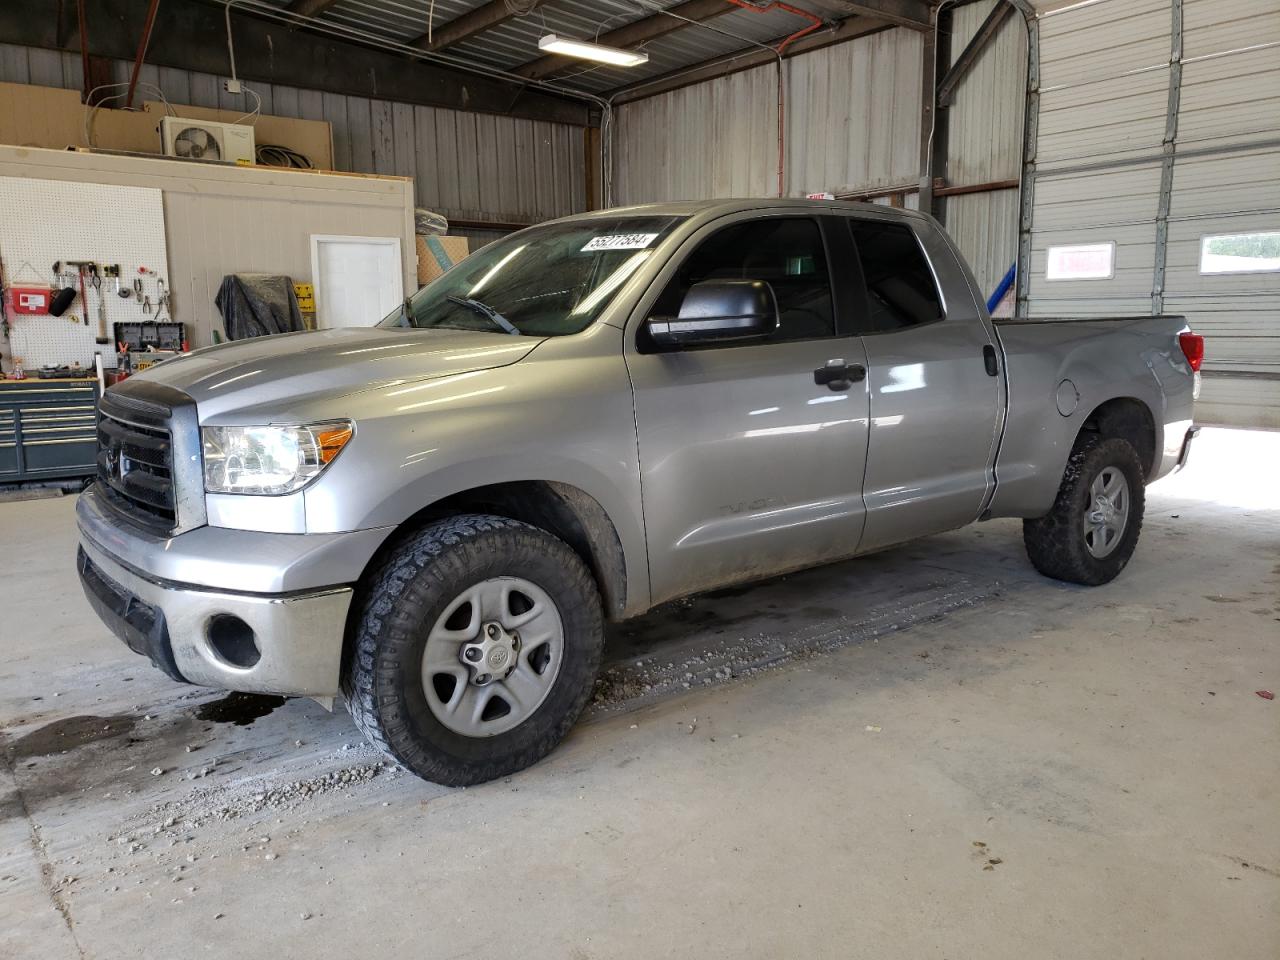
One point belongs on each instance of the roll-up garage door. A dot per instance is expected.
(1223, 258)
(1157, 181)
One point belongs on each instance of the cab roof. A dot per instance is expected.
(710, 209)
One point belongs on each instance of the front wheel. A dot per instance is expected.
(1092, 530)
(476, 650)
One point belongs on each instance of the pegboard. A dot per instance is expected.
(43, 221)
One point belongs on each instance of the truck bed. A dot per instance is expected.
(1059, 370)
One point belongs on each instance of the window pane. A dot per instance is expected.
(1240, 252)
(785, 252)
(900, 286)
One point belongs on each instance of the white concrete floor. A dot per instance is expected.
(954, 758)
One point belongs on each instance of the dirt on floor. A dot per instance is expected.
(931, 752)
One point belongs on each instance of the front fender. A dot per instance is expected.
(562, 415)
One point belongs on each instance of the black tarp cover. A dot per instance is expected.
(257, 304)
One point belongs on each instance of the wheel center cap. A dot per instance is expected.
(492, 655)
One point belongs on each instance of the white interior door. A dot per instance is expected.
(358, 280)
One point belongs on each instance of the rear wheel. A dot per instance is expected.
(1092, 530)
(476, 649)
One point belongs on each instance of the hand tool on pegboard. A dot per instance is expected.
(113, 272)
(102, 306)
(63, 295)
(4, 310)
(83, 267)
(162, 301)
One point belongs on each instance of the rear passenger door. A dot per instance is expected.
(935, 405)
(748, 465)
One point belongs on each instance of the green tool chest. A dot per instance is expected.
(48, 429)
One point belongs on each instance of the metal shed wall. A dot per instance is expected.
(853, 123)
(1159, 124)
(713, 139)
(467, 166)
(984, 144)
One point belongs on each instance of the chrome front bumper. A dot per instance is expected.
(162, 597)
(298, 637)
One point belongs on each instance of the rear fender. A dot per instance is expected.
(1059, 375)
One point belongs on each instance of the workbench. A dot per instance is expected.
(48, 429)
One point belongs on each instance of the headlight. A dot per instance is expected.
(270, 460)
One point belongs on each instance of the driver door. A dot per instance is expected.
(748, 466)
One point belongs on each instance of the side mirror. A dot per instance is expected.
(720, 310)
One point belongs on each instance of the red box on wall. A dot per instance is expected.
(30, 299)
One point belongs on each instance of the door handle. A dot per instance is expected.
(989, 358)
(838, 375)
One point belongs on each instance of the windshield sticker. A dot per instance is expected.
(621, 241)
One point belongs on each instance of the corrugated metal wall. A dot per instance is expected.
(465, 165)
(984, 143)
(714, 139)
(854, 114)
(1180, 99)
(853, 124)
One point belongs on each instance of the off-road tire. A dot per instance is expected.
(382, 682)
(1056, 542)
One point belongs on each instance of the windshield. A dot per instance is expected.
(546, 281)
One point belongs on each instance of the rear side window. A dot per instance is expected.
(788, 253)
(901, 290)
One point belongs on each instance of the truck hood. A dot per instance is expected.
(284, 374)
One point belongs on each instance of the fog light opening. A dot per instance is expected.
(233, 640)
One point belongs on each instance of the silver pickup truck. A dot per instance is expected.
(434, 517)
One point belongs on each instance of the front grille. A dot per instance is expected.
(135, 468)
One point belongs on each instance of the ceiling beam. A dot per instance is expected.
(482, 18)
(633, 34)
(271, 52)
(310, 8)
(912, 14)
(972, 52)
(848, 29)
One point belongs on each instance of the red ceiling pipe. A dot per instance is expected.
(84, 48)
(815, 23)
(143, 43)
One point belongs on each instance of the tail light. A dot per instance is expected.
(1192, 348)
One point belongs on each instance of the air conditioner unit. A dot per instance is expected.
(207, 140)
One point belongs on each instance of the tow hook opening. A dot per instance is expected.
(233, 640)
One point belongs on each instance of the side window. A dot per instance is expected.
(901, 290)
(788, 253)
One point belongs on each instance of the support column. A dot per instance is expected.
(1030, 128)
(1168, 155)
(928, 113)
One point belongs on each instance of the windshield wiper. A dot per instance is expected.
(486, 311)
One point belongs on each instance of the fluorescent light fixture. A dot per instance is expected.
(591, 51)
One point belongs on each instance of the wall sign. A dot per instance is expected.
(1081, 261)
